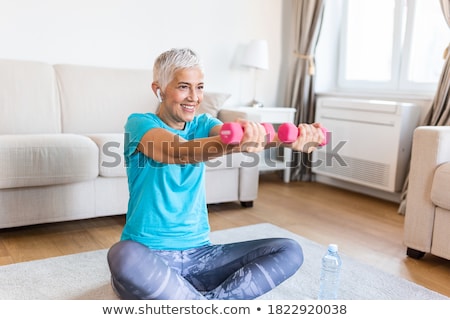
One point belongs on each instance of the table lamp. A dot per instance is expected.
(256, 57)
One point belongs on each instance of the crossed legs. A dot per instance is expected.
(241, 270)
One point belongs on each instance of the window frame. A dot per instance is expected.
(401, 54)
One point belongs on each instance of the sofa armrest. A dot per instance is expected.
(430, 148)
(248, 179)
(111, 159)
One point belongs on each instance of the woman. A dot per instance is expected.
(164, 251)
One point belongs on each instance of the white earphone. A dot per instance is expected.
(158, 94)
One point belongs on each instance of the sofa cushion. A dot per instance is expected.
(112, 93)
(441, 185)
(92, 93)
(28, 98)
(111, 159)
(46, 159)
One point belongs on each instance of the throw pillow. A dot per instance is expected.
(212, 102)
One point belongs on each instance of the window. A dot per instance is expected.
(392, 45)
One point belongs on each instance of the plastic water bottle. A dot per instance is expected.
(330, 273)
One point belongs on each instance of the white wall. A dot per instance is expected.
(131, 33)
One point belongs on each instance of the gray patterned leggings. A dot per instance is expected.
(242, 270)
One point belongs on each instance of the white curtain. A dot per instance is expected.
(439, 112)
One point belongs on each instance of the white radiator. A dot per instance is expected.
(369, 141)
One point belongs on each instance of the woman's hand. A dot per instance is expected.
(311, 136)
(255, 137)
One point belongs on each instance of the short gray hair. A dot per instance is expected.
(171, 61)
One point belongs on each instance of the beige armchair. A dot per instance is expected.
(427, 217)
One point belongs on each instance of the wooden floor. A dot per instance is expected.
(365, 228)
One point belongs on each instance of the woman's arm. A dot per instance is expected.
(166, 147)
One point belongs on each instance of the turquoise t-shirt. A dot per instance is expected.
(167, 205)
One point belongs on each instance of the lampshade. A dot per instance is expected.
(257, 55)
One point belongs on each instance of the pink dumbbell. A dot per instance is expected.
(232, 132)
(289, 132)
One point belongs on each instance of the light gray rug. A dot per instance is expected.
(86, 275)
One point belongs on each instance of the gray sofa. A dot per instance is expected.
(61, 142)
(427, 216)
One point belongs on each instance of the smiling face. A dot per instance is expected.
(182, 97)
